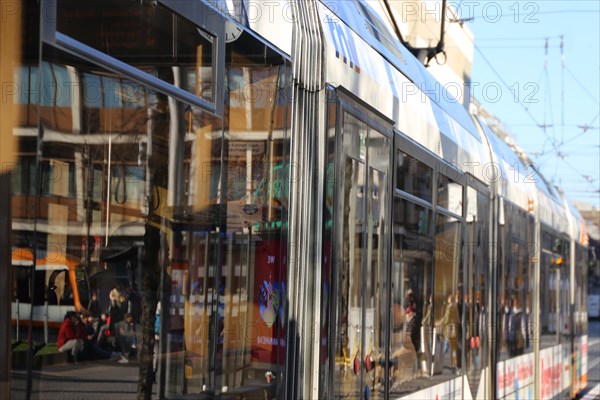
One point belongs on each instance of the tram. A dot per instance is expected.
(337, 225)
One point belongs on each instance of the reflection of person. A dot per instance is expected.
(70, 335)
(517, 331)
(427, 312)
(449, 324)
(404, 359)
(113, 315)
(92, 349)
(527, 322)
(411, 329)
(126, 337)
(483, 331)
(459, 332)
(150, 355)
(156, 338)
(503, 317)
(426, 333)
(94, 306)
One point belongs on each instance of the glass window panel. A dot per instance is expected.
(355, 139)
(376, 283)
(149, 37)
(516, 292)
(450, 195)
(92, 91)
(249, 283)
(447, 299)
(34, 96)
(112, 95)
(412, 295)
(327, 338)
(64, 90)
(349, 353)
(414, 177)
(476, 318)
(22, 80)
(105, 190)
(49, 86)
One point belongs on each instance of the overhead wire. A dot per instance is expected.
(548, 98)
(500, 16)
(520, 39)
(562, 89)
(548, 139)
(552, 141)
(495, 71)
(514, 47)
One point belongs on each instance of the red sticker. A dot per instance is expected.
(356, 365)
(368, 363)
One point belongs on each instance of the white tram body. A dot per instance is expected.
(362, 56)
(383, 241)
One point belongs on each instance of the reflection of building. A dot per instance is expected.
(10, 54)
(118, 155)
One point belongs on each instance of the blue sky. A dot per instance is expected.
(537, 90)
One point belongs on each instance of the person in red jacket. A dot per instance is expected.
(70, 335)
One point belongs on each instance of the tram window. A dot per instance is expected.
(412, 295)
(448, 294)
(414, 177)
(581, 301)
(234, 281)
(22, 280)
(554, 272)
(476, 318)
(152, 38)
(450, 195)
(219, 188)
(515, 308)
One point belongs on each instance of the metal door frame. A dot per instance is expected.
(347, 103)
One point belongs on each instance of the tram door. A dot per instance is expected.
(475, 314)
(361, 247)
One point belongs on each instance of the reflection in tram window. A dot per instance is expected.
(157, 40)
(414, 177)
(117, 154)
(412, 296)
(358, 335)
(476, 318)
(516, 284)
(348, 352)
(376, 268)
(554, 271)
(108, 164)
(328, 342)
(427, 298)
(447, 299)
(450, 195)
(249, 287)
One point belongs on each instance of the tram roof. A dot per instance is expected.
(362, 18)
(512, 182)
(366, 58)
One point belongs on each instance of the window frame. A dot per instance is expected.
(195, 12)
